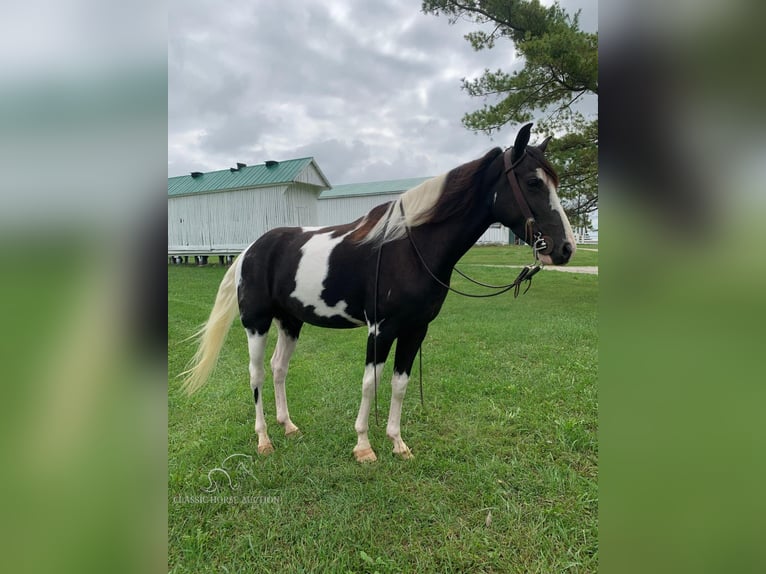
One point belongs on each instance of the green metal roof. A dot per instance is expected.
(372, 188)
(250, 176)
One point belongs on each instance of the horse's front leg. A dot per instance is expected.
(398, 389)
(374, 367)
(406, 350)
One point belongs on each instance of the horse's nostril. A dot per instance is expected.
(567, 250)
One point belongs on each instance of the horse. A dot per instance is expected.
(388, 271)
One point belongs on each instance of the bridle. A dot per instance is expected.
(541, 244)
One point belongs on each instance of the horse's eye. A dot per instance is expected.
(534, 182)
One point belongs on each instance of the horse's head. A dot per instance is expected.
(532, 210)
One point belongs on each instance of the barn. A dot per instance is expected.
(222, 212)
(344, 203)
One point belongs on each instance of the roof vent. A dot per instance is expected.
(241, 165)
(233, 169)
(196, 174)
(271, 163)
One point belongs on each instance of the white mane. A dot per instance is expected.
(417, 202)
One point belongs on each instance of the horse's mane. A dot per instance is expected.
(432, 201)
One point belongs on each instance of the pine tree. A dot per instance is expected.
(560, 68)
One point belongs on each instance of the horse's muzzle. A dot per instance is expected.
(547, 246)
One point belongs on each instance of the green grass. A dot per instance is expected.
(508, 426)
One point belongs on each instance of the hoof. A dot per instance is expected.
(293, 432)
(265, 449)
(366, 455)
(406, 454)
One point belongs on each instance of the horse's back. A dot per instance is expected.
(281, 247)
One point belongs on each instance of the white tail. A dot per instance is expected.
(213, 333)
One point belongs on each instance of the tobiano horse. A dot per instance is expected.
(388, 271)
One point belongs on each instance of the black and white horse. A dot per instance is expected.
(369, 274)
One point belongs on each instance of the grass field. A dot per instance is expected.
(508, 431)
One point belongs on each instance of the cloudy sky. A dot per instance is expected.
(370, 88)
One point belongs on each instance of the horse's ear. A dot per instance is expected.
(522, 139)
(544, 145)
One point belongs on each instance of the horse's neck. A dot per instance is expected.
(455, 236)
(463, 230)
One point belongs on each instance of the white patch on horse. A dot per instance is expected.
(555, 203)
(374, 328)
(312, 273)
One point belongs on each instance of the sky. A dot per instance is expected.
(369, 88)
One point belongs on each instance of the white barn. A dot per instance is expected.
(222, 212)
(344, 203)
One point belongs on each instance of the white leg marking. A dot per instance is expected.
(555, 204)
(398, 390)
(363, 451)
(256, 344)
(311, 274)
(280, 361)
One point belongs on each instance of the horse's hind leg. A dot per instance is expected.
(256, 344)
(288, 339)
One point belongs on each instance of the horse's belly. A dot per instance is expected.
(322, 314)
(333, 322)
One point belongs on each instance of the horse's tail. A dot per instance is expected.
(213, 333)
